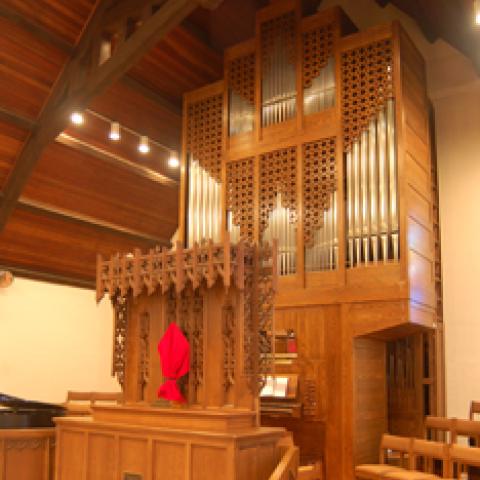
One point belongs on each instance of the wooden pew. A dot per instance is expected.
(389, 443)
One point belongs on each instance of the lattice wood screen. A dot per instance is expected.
(204, 134)
(319, 181)
(278, 174)
(366, 84)
(241, 76)
(317, 45)
(278, 31)
(240, 184)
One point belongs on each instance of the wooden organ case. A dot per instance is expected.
(318, 136)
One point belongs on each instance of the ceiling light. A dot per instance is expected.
(476, 11)
(173, 161)
(114, 131)
(77, 118)
(143, 146)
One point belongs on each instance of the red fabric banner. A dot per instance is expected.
(174, 351)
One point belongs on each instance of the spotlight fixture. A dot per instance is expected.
(143, 146)
(114, 131)
(476, 11)
(77, 118)
(173, 160)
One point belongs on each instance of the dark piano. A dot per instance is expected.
(19, 413)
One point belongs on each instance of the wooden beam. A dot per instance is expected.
(35, 29)
(116, 160)
(16, 119)
(82, 79)
(152, 95)
(93, 223)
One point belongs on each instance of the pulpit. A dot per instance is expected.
(221, 298)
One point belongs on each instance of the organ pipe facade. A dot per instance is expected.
(299, 83)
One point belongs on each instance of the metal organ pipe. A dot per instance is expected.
(278, 86)
(280, 228)
(323, 254)
(392, 173)
(320, 95)
(241, 114)
(372, 192)
(204, 205)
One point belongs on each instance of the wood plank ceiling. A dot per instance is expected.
(85, 194)
(64, 198)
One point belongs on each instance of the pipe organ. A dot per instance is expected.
(318, 137)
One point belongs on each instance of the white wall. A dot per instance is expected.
(458, 137)
(53, 339)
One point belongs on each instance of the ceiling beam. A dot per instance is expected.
(16, 119)
(156, 97)
(100, 226)
(37, 30)
(117, 160)
(83, 78)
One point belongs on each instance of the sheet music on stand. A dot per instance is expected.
(275, 387)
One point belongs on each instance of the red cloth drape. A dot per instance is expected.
(174, 351)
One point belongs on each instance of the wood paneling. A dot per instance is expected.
(163, 453)
(29, 69)
(66, 18)
(132, 456)
(370, 398)
(101, 457)
(49, 244)
(81, 183)
(132, 109)
(181, 62)
(169, 457)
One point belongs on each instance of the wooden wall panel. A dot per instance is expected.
(81, 183)
(26, 454)
(181, 62)
(71, 460)
(158, 453)
(422, 286)
(132, 456)
(101, 457)
(48, 244)
(169, 457)
(64, 18)
(308, 323)
(370, 400)
(209, 463)
(417, 162)
(420, 238)
(123, 103)
(27, 74)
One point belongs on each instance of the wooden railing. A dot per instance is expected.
(287, 468)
